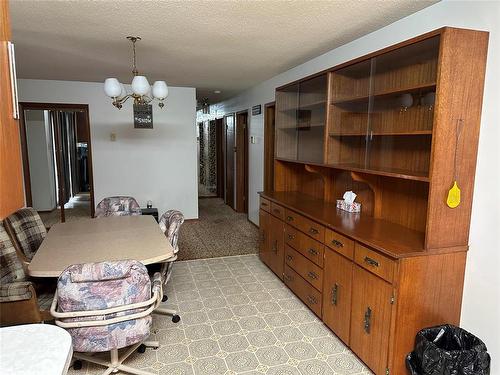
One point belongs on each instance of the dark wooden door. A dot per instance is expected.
(269, 129)
(230, 160)
(276, 246)
(337, 294)
(264, 239)
(242, 162)
(371, 319)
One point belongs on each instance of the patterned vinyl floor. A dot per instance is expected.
(239, 318)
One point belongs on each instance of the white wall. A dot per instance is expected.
(481, 310)
(149, 164)
(41, 160)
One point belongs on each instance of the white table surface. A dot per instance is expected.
(97, 240)
(34, 349)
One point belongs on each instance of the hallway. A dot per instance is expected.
(219, 231)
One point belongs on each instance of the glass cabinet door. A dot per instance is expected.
(403, 93)
(311, 119)
(287, 105)
(350, 107)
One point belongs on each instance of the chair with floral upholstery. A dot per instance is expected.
(27, 231)
(117, 206)
(170, 223)
(19, 302)
(105, 307)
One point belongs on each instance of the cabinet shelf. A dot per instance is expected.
(394, 173)
(304, 126)
(307, 106)
(378, 134)
(385, 93)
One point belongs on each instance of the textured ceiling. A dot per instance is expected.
(210, 45)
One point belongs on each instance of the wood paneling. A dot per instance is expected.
(371, 319)
(11, 179)
(337, 290)
(460, 86)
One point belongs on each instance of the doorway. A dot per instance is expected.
(269, 131)
(57, 161)
(242, 161)
(230, 150)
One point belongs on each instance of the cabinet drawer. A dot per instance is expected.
(339, 243)
(310, 296)
(304, 267)
(375, 262)
(311, 249)
(307, 226)
(278, 211)
(265, 204)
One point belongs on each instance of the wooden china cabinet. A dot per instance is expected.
(397, 127)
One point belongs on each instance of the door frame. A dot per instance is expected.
(269, 146)
(24, 146)
(241, 159)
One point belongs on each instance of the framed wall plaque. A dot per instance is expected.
(256, 109)
(143, 116)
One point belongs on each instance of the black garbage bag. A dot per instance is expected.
(448, 350)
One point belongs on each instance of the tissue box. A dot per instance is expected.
(354, 207)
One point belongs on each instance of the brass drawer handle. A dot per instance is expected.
(335, 294)
(289, 257)
(263, 204)
(262, 236)
(371, 262)
(313, 231)
(368, 320)
(289, 218)
(312, 275)
(287, 277)
(291, 237)
(337, 243)
(312, 300)
(312, 251)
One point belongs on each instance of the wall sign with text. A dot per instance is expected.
(143, 116)
(256, 109)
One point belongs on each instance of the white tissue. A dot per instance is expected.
(349, 197)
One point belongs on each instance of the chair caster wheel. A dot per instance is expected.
(176, 319)
(164, 298)
(141, 348)
(77, 365)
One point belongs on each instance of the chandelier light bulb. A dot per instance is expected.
(160, 90)
(140, 85)
(112, 87)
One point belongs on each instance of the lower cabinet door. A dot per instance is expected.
(264, 236)
(337, 276)
(371, 319)
(276, 246)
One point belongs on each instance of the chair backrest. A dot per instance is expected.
(11, 268)
(117, 206)
(27, 229)
(98, 286)
(170, 223)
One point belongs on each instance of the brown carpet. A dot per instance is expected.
(219, 231)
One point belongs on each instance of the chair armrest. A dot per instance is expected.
(16, 291)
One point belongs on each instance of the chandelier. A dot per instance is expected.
(142, 92)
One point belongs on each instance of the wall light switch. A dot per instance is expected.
(253, 139)
(112, 137)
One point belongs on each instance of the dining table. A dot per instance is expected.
(30, 349)
(101, 239)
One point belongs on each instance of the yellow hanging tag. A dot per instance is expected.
(453, 199)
